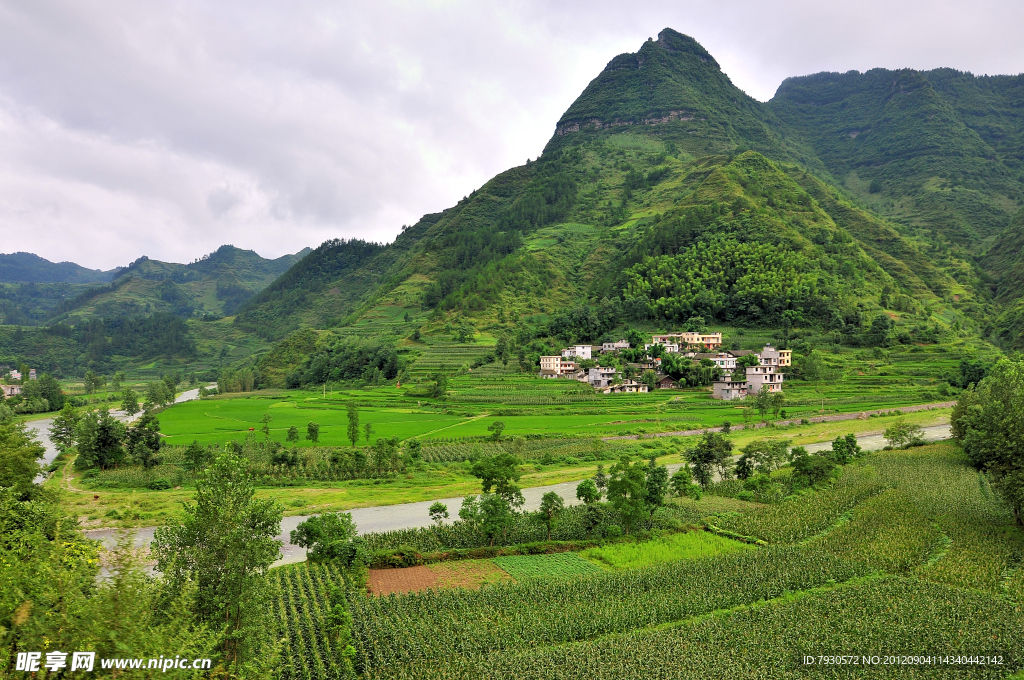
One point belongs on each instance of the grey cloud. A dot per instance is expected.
(169, 128)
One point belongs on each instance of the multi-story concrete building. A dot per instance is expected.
(729, 389)
(767, 376)
(785, 357)
(10, 390)
(614, 346)
(600, 377)
(556, 367)
(578, 351)
(690, 340)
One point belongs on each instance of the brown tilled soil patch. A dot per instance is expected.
(462, 574)
(406, 580)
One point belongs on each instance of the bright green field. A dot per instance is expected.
(521, 567)
(526, 404)
(688, 546)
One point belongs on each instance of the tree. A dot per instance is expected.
(293, 434)
(330, 536)
(747, 360)
(844, 449)
(367, 431)
(778, 400)
(129, 401)
(495, 515)
(91, 382)
(353, 423)
(550, 505)
(810, 470)
(986, 422)
(142, 440)
(496, 428)
(171, 382)
(156, 394)
(587, 492)
(764, 455)
(100, 438)
(635, 338)
(19, 456)
(64, 430)
(600, 480)
(197, 456)
(223, 545)
(438, 512)
(116, 380)
(657, 485)
(649, 378)
(500, 471)
(440, 387)
(313, 432)
(627, 490)
(682, 483)
(878, 333)
(711, 451)
(469, 512)
(726, 427)
(763, 401)
(265, 429)
(902, 434)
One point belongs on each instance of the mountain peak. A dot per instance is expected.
(674, 41)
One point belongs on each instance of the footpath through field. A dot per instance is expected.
(412, 515)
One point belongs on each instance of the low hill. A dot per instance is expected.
(29, 268)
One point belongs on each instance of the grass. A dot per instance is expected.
(684, 546)
(559, 565)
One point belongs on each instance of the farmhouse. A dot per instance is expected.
(766, 374)
(667, 382)
(10, 390)
(578, 351)
(599, 377)
(689, 339)
(614, 346)
(557, 367)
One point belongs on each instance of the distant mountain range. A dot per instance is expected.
(29, 268)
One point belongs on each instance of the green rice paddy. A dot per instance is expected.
(687, 546)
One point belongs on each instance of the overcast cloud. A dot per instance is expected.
(168, 128)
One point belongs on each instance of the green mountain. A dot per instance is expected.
(29, 268)
(666, 193)
(215, 285)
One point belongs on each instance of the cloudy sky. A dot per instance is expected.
(130, 127)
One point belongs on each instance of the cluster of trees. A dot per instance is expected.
(158, 334)
(986, 422)
(346, 359)
(37, 396)
(723, 278)
(104, 442)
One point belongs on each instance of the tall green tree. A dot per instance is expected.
(987, 423)
(500, 472)
(496, 428)
(367, 431)
(587, 492)
(223, 545)
(657, 485)
(100, 441)
(142, 440)
(64, 430)
(550, 505)
(353, 423)
(711, 451)
(627, 490)
(313, 432)
(19, 459)
(265, 425)
(130, 401)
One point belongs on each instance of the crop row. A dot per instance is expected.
(897, 616)
(436, 625)
(301, 611)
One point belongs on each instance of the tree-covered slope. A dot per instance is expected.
(212, 286)
(30, 268)
(937, 152)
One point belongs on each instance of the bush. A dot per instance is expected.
(159, 485)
